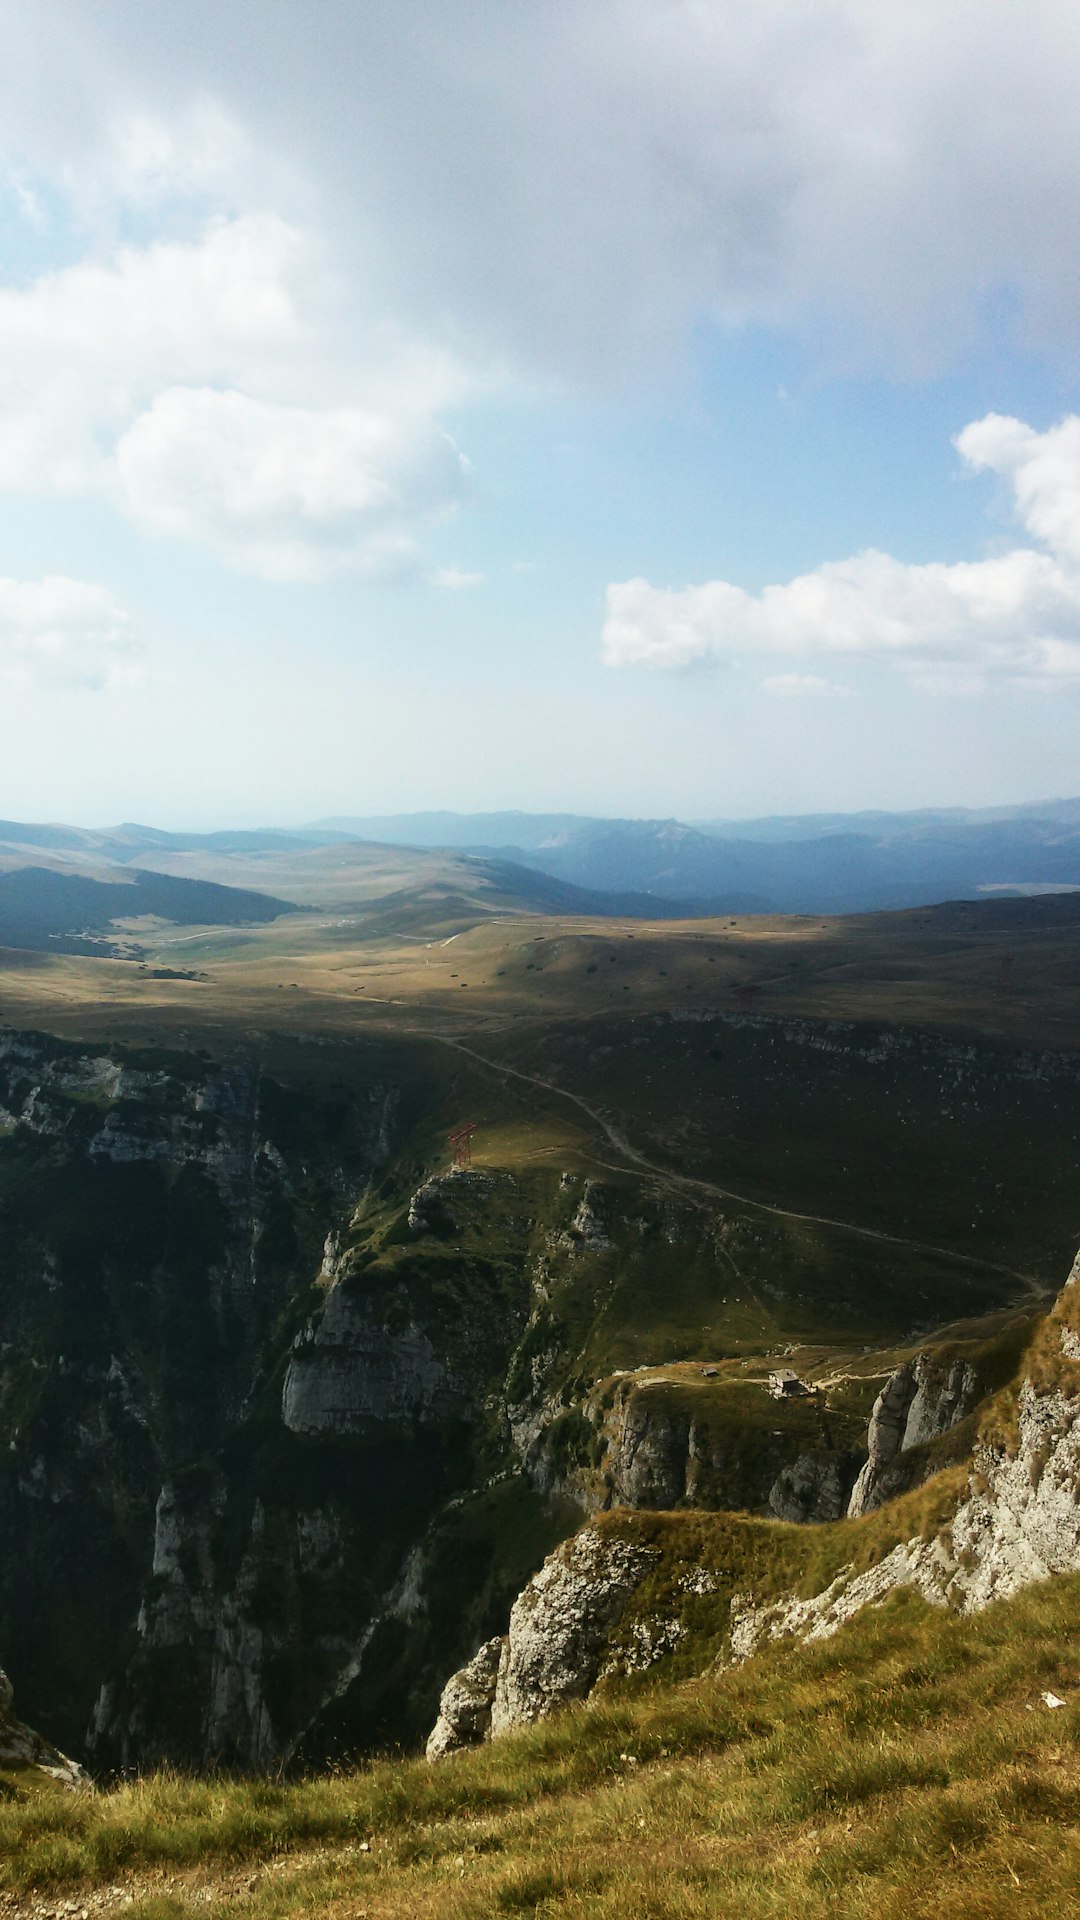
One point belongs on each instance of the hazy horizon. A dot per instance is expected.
(184, 823)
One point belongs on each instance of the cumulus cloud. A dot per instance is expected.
(287, 492)
(1043, 470)
(65, 633)
(193, 384)
(83, 350)
(1014, 616)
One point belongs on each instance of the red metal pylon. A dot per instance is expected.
(461, 1141)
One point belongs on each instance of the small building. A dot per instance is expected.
(710, 1373)
(785, 1385)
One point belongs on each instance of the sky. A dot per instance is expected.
(639, 407)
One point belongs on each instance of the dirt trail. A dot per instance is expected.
(690, 1183)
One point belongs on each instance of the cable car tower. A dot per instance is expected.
(461, 1143)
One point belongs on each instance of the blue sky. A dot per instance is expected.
(621, 407)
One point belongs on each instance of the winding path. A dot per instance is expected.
(691, 1183)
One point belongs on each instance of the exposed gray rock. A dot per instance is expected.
(559, 1626)
(431, 1206)
(556, 1645)
(813, 1488)
(590, 1229)
(917, 1403)
(466, 1703)
(186, 1612)
(21, 1747)
(651, 1461)
(1020, 1522)
(351, 1368)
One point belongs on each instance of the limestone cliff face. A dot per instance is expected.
(1017, 1522)
(813, 1489)
(918, 1402)
(652, 1443)
(555, 1647)
(349, 1368)
(1020, 1523)
(225, 1427)
(467, 1702)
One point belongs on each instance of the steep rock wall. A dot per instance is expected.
(1017, 1522)
(225, 1427)
(918, 1403)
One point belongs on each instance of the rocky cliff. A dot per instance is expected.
(287, 1418)
(240, 1399)
(1017, 1521)
(622, 1598)
(918, 1403)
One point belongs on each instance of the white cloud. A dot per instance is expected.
(1043, 469)
(84, 349)
(1015, 616)
(291, 493)
(196, 385)
(66, 633)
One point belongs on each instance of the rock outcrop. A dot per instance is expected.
(590, 1229)
(918, 1402)
(351, 1368)
(21, 1749)
(813, 1489)
(229, 1420)
(555, 1647)
(1018, 1522)
(466, 1702)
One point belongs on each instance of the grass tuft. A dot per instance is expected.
(907, 1767)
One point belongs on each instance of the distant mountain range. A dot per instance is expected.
(819, 863)
(58, 881)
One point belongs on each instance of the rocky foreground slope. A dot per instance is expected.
(620, 1600)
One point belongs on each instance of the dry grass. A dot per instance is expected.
(453, 958)
(908, 1767)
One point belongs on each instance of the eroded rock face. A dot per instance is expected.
(559, 1626)
(556, 1645)
(1020, 1520)
(466, 1703)
(351, 1369)
(917, 1403)
(813, 1489)
(590, 1229)
(652, 1463)
(235, 1486)
(21, 1747)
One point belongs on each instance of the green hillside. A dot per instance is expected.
(909, 1767)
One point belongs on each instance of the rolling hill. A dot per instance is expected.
(63, 912)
